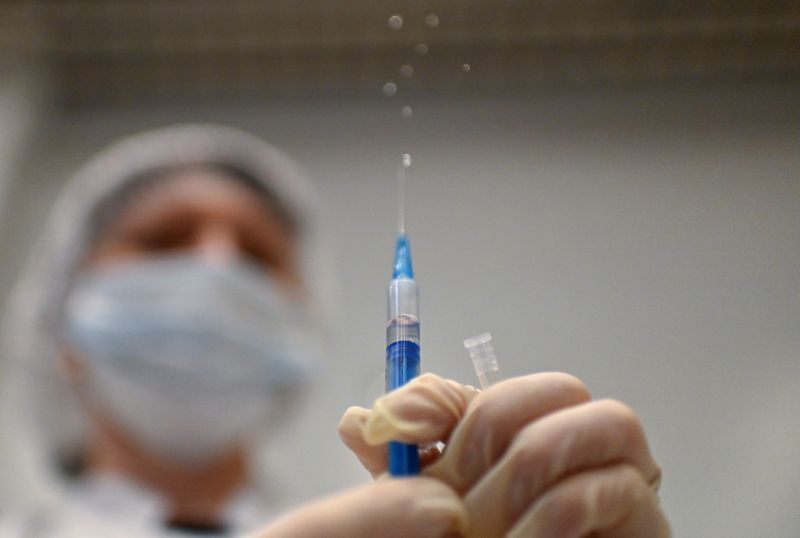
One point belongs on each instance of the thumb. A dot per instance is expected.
(423, 411)
(374, 458)
(419, 507)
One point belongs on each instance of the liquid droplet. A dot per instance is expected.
(389, 89)
(396, 22)
(421, 49)
(406, 71)
(406, 160)
(407, 112)
(466, 68)
(432, 20)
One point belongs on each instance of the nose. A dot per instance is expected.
(217, 243)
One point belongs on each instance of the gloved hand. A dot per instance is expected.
(412, 507)
(532, 456)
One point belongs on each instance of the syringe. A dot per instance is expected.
(402, 346)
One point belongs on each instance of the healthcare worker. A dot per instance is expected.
(169, 316)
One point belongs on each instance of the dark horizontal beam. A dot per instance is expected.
(107, 51)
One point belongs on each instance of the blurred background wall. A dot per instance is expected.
(612, 189)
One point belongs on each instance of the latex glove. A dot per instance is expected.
(531, 456)
(412, 507)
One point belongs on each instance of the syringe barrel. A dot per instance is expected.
(402, 362)
(403, 298)
(403, 315)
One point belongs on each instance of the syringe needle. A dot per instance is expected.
(405, 164)
(401, 200)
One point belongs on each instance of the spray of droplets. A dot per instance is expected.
(389, 89)
(406, 71)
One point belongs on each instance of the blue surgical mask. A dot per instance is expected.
(187, 355)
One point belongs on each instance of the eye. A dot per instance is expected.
(174, 236)
(260, 254)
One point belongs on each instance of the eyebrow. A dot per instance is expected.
(107, 209)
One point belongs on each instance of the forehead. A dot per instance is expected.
(214, 190)
(198, 187)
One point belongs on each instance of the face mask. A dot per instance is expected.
(187, 356)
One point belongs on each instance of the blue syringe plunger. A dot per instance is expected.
(403, 267)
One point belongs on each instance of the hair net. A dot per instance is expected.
(42, 422)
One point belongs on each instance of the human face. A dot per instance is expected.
(201, 211)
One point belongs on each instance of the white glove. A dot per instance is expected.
(531, 456)
(412, 507)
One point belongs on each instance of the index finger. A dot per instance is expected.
(493, 419)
